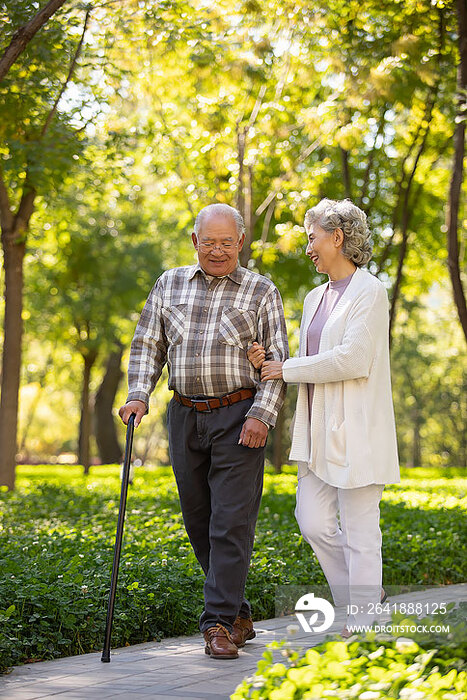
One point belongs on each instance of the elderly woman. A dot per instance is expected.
(344, 436)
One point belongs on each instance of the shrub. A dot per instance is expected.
(369, 668)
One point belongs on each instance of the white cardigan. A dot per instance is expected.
(351, 439)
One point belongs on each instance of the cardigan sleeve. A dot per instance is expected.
(353, 357)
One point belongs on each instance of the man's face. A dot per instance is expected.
(218, 245)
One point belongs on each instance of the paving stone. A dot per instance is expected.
(25, 695)
(160, 695)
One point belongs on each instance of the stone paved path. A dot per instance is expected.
(174, 669)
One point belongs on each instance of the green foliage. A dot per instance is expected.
(58, 572)
(282, 103)
(91, 262)
(300, 88)
(36, 153)
(370, 668)
(56, 542)
(429, 371)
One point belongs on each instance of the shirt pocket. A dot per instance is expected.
(237, 327)
(174, 322)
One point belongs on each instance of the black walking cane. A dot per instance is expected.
(105, 658)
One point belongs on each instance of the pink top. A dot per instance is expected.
(331, 296)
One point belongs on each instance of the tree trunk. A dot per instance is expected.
(24, 34)
(14, 232)
(457, 171)
(406, 179)
(13, 252)
(278, 448)
(397, 284)
(463, 449)
(416, 460)
(85, 422)
(106, 433)
(346, 172)
(267, 220)
(405, 217)
(245, 253)
(241, 139)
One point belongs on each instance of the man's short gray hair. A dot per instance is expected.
(344, 214)
(221, 210)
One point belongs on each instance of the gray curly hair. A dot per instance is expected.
(344, 214)
(223, 209)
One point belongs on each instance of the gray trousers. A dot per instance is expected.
(220, 484)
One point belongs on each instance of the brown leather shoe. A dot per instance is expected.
(242, 631)
(219, 644)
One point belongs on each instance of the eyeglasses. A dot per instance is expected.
(223, 247)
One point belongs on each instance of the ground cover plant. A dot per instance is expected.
(57, 533)
(376, 666)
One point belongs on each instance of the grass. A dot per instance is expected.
(57, 533)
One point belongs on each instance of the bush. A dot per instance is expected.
(57, 532)
(369, 668)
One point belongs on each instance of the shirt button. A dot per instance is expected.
(197, 379)
(197, 354)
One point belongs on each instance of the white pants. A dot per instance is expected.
(349, 554)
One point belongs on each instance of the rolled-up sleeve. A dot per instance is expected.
(148, 352)
(272, 334)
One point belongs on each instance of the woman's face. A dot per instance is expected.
(322, 248)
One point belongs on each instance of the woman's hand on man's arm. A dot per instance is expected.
(270, 369)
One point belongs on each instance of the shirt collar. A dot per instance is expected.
(236, 275)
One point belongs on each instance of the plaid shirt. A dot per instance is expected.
(202, 327)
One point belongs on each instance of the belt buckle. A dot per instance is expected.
(205, 401)
(228, 399)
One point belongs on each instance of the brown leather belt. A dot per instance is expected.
(206, 405)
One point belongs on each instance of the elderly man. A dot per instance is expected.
(201, 320)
